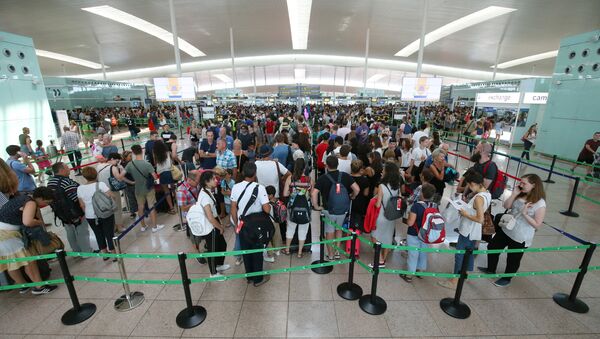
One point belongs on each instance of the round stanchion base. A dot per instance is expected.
(374, 307)
(576, 305)
(458, 311)
(570, 214)
(191, 318)
(349, 291)
(321, 270)
(123, 304)
(73, 317)
(550, 181)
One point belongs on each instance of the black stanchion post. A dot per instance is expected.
(371, 303)
(349, 290)
(79, 313)
(570, 302)
(548, 180)
(457, 142)
(122, 144)
(191, 316)
(453, 306)
(324, 269)
(569, 212)
(517, 173)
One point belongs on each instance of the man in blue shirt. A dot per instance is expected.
(23, 170)
(149, 147)
(228, 139)
(208, 151)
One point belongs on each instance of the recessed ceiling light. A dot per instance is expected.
(144, 26)
(455, 26)
(223, 77)
(299, 15)
(376, 77)
(527, 59)
(69, 59)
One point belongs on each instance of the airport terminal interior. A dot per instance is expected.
(163, 160)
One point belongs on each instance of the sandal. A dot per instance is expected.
(172, 212)
(336, 256)
(285, 251)
(406, 278)
(299, 256)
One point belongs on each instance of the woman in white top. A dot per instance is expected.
(471, 221)
(104, 228)
(528, 206)
(390, 186)
(162, 158)
(405, 151)
(528, 141)
(215, 242)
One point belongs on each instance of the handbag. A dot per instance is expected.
(176, 173)
(54, 243)
(115, 184)
(507, 221)
(488, 227)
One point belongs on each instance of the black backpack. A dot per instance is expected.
(65, 209)
(299, 208)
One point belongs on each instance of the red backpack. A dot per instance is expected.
(499, 183)
(433, 227)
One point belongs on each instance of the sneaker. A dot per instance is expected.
(269, 259)
(43, 290)
(157, 228)
(406, 278)
(502, 282)
(485, 270)
(223, 267)
(201, 261)
(238, 261)
(143, 228)
(24, 290)
(216, 275)
(447, 284)
(263, 281)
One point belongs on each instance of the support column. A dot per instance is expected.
(498, 48)
(177, 56)
(232, 55)
(345, 78)
(366, 59)
(421, 51)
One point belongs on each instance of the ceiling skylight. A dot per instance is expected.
(69, 59)
(223, 77)
(299, 74)
(455, 26)
(299, 15)
(144, 26)
(527, 59)
(376, 77)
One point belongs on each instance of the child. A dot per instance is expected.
(226, 186)
(41, 159)
(417, 260)
(268, 256)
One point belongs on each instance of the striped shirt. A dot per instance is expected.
(67, 184)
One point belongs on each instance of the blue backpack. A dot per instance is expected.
(407, 128)
(338, 200)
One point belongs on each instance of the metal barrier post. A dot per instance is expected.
(569, 212)
(457, 142)
(122, 145)
(371, 303)
(548, 180)
(349, 290)
(453, 306)
(191, 316)
(517, 173)
(129, 300)
(324, 269)
(79, 313)
(174, 199)
(570, 302)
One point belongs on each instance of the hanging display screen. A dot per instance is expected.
(175, 89)
(421, 89)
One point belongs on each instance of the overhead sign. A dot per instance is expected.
(536, 98)
(498, 98)
(421, 89)
(295, 91)
(175, 89)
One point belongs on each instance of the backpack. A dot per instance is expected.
(433, 229)
(499, 183)
(395, 206)
(407, 128)
(197, 220)
(65, 209)
(279, 212)
(103, 204)
(299, 207)
(338, 199)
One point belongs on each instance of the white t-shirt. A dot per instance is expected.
(261, 199)
(85, 193)
(266, 174)
(203, 200)
(417, 136)
(103, 173)
(417, 153)
(344, 165)
(523, 231)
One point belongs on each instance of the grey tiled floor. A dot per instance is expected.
(304, 304)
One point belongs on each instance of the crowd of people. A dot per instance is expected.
(263, 170)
